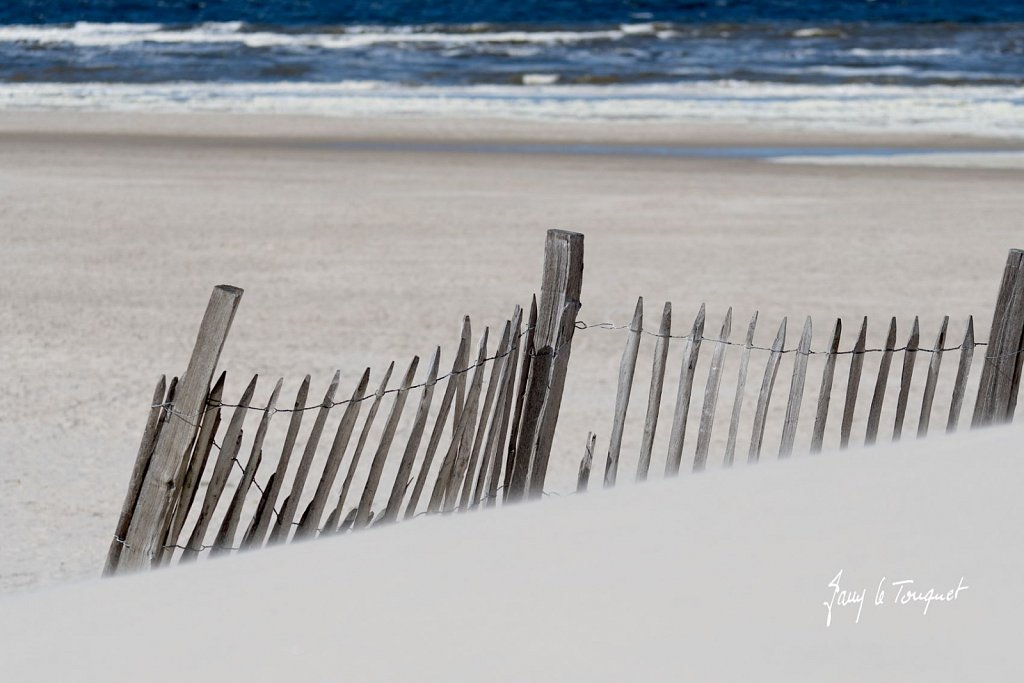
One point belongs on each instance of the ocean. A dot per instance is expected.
(909, 61)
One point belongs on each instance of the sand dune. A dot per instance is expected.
(723, 576)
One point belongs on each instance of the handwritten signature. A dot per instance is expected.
(902, 592)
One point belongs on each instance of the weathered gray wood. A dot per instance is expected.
(552, 401)
(384, 447)
(1000, 380)
(364, 434)
(707, 414)
(145, 452)
(466, 447)
(517, 413)
(933, 379)
(332, 519)
(283, 525)
(462, 376)
(559, 298)
(825, 390)
(261, 506)
(225, 540)
(643, 465)
(260, 525)
(764, 398)
(796, 392)
(878, 398)
(404, 474)
(196, 466)
(627, 369)
(310, 522)
(583, 478)
(461, 360)
(679, 418)
(509, 375)
(737, 402)
(533, 406)
(455, 469)
(163, 556)
(442, 494)
(144, 540)
(221, 470)
(493, 433)
(487, 409)
(346, 524)
(963, 372)
(906, 377)
(853, 384)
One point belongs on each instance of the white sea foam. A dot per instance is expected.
(638, 29)
(815, 32)
(114, 35)
(903, 52)
(977, 110)
(539, 79)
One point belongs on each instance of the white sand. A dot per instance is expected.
(116, 227)
(721, 577)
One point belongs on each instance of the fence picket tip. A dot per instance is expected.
(364, 434)
(853, 384)
(654, 393)
(764, 398)
(962, 376)
(363, 511)
(711, 390)
(737, 404)
(878, 397)
(934, 367)
(310, 522)
(825, 388)
(627, 371)
(796, 391)
(257, 533)
(686, 371)
(282, 529)
(906, 378)
(138, 474)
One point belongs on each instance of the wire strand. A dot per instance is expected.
(581, 325)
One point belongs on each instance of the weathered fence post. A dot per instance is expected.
(157, 495)
(1001, 370)
(149, 437)
(556, 316)
(627, 369)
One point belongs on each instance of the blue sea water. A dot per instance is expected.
(955, 65)
(405, 12)
(449, 43)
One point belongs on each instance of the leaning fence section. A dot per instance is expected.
(735, 399)
(823, 388)
(312, 490)
(220, 470)
(378, 449)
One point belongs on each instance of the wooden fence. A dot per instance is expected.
(488, 440)
(915, 392)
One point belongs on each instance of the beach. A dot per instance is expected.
(361, 241)
(914, 586)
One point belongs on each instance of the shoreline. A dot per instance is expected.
(311, 130)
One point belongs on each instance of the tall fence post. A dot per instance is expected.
(556, 318)
(157, 495)
(1001, 369)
